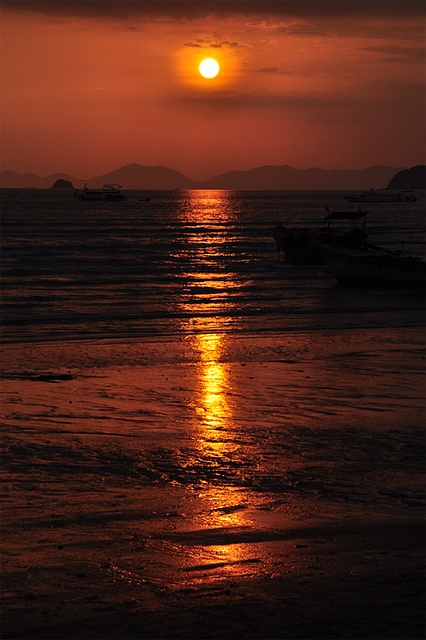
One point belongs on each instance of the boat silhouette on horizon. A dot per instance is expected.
(109, 192)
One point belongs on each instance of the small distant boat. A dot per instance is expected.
(300, 246)
(373, 266)
(381, 195)
(110, 192)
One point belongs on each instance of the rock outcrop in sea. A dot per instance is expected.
(62, 184)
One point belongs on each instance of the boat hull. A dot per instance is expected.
(365, 267)
(99, 196)
(302, 246)
(380, 196)
(297, 246)
(109, 193)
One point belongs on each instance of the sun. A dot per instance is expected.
(209, 68)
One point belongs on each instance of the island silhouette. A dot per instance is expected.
(414, 178)
(265, 178)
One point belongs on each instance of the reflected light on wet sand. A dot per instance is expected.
(214, 409)
(224, 506)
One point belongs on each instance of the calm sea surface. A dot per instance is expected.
(185, 261)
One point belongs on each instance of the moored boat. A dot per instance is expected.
(299, 246)
(381, 195)
(110, 192)
(373, 266)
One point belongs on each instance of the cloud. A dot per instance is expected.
(396, 96)
(273, 70)
(268, 70)
(258, 99)
(407, 54)
(208, 44)
(190, 9)
(387, 28)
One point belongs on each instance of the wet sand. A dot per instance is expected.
(110, 532)
(107, 579)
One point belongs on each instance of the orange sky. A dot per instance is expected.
(90, 86)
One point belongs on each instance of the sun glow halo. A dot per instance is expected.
(209, 68)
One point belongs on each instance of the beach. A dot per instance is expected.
(200, 440)
(214, 486)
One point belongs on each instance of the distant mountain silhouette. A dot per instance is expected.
(414, 178)
(136, 176)
(267, 178)
(13, 180)
(288, 178)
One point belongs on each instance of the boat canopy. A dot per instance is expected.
(353, 216)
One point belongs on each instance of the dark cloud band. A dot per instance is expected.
(193, 9)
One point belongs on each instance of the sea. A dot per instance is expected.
(184, 262)
(162, 345)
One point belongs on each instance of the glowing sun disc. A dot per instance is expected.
(209, 68)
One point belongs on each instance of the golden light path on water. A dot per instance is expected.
(209, 218)
(214, 409)
(214, 424)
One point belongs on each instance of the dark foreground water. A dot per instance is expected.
(186, 418)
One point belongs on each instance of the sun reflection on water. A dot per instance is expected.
(209, 207)
(209, 289)
(208, 297)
